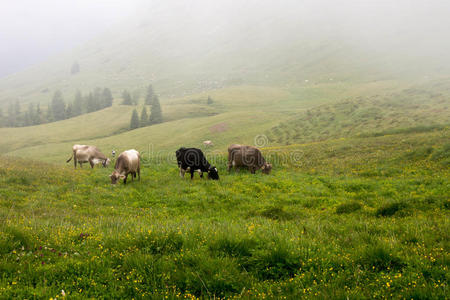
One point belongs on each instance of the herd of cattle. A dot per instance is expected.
(189, 160)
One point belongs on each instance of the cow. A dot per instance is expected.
(247, 156)
(128, 162)
(208, 143)
(91, 154)
(193, 159)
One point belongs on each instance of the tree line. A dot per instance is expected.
(57, 109)
(145, 120)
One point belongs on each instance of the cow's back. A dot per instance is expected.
(128, 161)
(245, 156)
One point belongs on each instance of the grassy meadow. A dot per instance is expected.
(347, 218)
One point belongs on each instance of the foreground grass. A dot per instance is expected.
(304, 231)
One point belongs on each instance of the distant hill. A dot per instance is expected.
(189, 48)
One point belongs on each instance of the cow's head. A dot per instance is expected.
(106, 163)
(213, 173)
(266, 168)
(115, 176)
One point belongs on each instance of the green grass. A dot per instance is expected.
(291, 233)
(404, 111)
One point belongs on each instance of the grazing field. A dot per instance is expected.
(351, 218)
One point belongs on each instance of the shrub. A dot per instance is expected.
(348, 207)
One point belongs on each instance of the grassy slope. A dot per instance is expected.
(353, 218)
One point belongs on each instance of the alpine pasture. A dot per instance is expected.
(351, 111)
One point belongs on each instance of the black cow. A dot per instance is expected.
(194, 160)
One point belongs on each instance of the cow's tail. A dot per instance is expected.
(69, 159)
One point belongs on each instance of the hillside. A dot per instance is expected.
(183, 49)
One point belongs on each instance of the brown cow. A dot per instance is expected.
(128, 162)
(91, 154)
(248, 156)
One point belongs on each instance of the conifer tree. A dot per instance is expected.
(134, 123)
(77, 107)
(144, 117)
(149, 96)
(156, 114)
(126, 98)
(58, 106)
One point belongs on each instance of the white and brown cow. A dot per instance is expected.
(86, 153)
(128, 162)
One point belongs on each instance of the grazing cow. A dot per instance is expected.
(208, 143)
(194, 160)
(248, 156)
(91, 154)
(128, 162)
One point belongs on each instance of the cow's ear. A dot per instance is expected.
(122, 176)
(110, 176)
(263, 167)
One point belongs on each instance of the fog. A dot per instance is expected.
(31, 31)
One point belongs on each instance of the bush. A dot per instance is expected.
(348, 207)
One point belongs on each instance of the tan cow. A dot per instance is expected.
(128, 162)
(247, 156)
(91, 154)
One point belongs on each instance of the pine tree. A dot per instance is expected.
(134, 123)
(58, 106)
(156, 114)
(149, 96)
(107, 98)
(126, 98)
(144, 117)
(209, 101)
(77, 106)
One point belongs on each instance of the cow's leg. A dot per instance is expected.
(91, 162)
(133, 175)
(139, 173)
(125, 179)
(201, 173)
(252, 170)
(192, 173)
(75, 160)
(81, 164)
(182, 171)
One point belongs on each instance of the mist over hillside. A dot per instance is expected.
(192, 46)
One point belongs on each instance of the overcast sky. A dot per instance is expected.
(33, 30)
